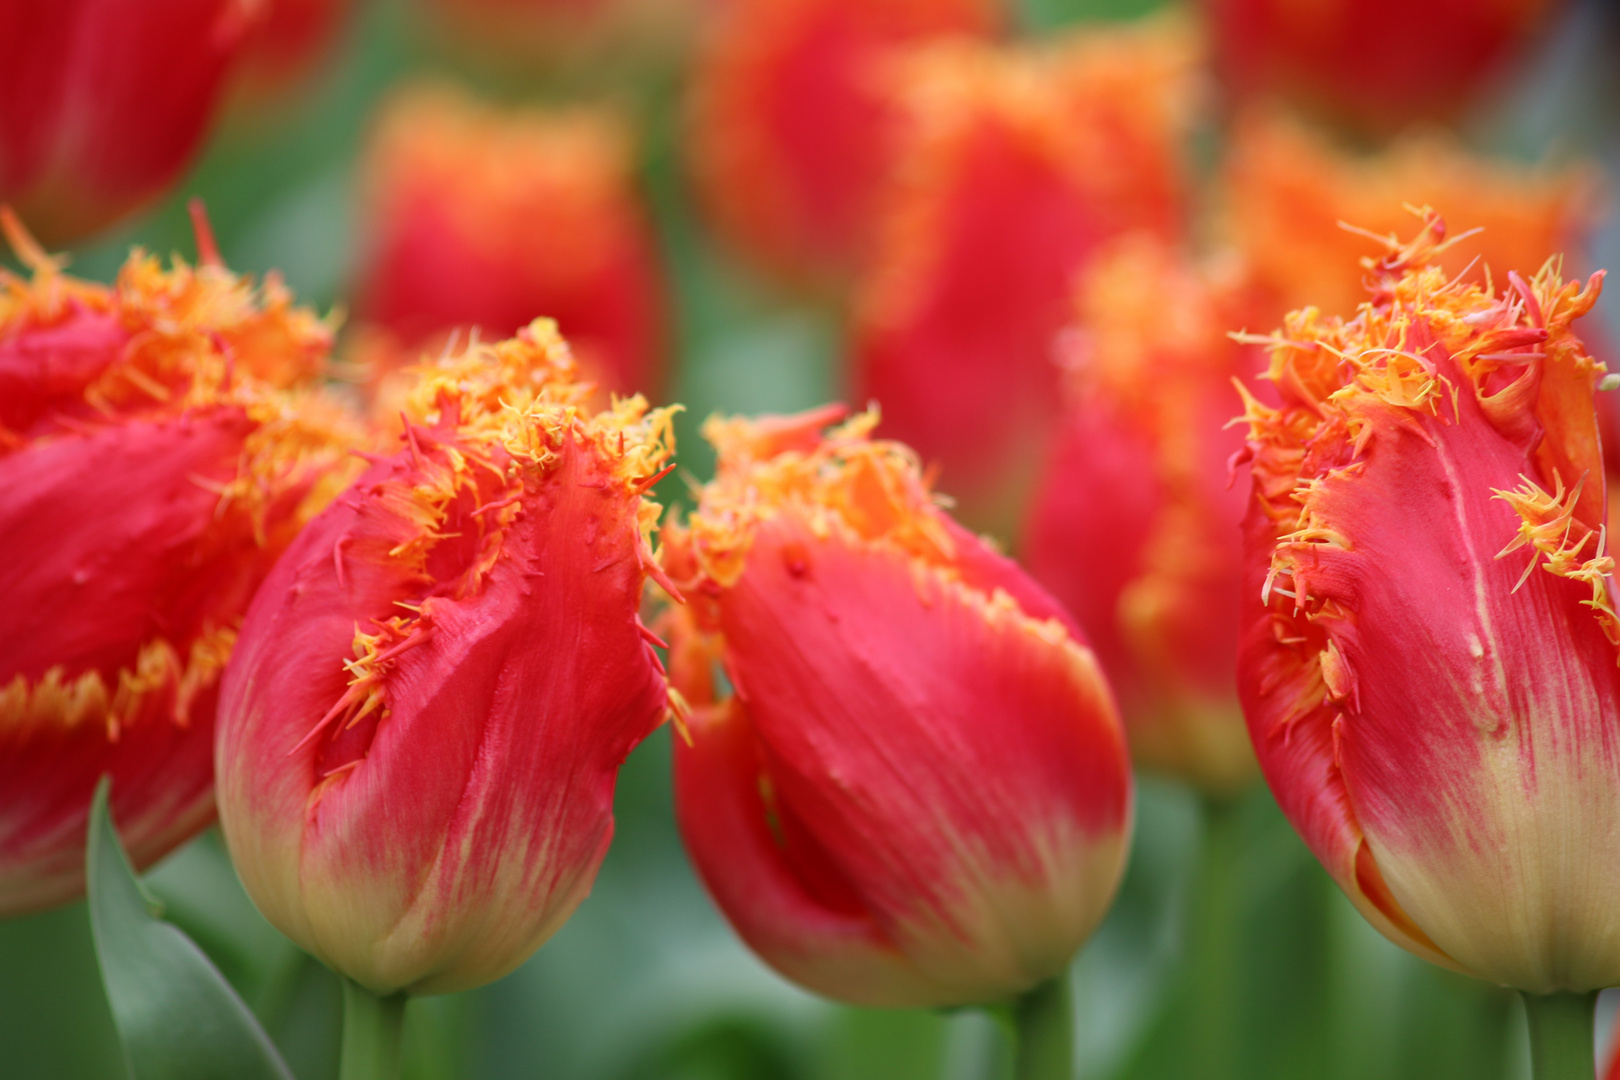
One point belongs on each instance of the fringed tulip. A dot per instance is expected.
(487, 219)
(1378, 64)
(918, 793)
(790, 118)
(433, 691)
(150, 472)
(1135, 524)
(1017, 166)
(1287, 191)
(1429, 656)
(103, 102)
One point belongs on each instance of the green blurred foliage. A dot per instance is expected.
(1228, 954)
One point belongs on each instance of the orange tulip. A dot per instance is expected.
(1429, 657)
(1018, 164)
(152, 466)
(483, 218)
(434, 689)
(790, 116)
(918, 793)
(1135, 524)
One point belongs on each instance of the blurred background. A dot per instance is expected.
(300, 175)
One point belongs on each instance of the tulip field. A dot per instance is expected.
(809, 540)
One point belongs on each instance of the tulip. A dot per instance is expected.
(1428, 666)
(488, 219)
(790, 112)
(286, 44)
(1019, 164)
(606, 42)
(1287, 190)
(433, 690)
(103, 102)
(151, 468)
(1378, 64)
(918, 794)
(1134, 527)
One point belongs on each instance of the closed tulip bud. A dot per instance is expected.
(1018, 165)
(790, 115)
(918, 793)
(434, 689)
(1377, 64)
(1135, 524)
(151, 469)
(1287, 190)
(103, 102)
(487, 219)
(1429, 656)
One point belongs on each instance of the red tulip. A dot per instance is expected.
(489, 219)
(790, 117)
(433, 691)
(1287, 190)
(1380, 64)
(918, 793)
(103, 102)
(288, 41)
(1017, 166)
(150, 472)
(1429, 656)
(1135, 524)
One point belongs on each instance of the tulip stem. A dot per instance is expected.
(1561, 1036)
(373, 1034)
(1043, 1020)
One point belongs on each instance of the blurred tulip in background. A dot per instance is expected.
(436, 685)
(288, 42)
(1429, 667)
(103, 102)
(1377, 64)
(159, 446)
(1134, 526)
(917, 792)
(1017, 164)
(791, 118)
(481, 219)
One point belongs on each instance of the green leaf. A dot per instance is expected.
(176, 1015)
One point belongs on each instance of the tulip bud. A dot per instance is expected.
(1287, 190)
(918, 793)
(150, 471)
(434, 689)
(102, 102)
(489, 219)
(790, 117)
(1429, 660)
(1018, 164)
(1379, 64)
(1135, 524)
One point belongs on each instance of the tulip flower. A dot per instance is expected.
(290, 39)
(1379, 64)
(103, 102)
(152, 466)
(1428, 666)
(486, 219)
(1287, 190)
(1135, 523)
(433, 690)
(1018, 165)
(608, 40)
(918, 793)
(790, 115)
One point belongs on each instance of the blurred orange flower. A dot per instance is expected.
(1015, 165)
(483, 218)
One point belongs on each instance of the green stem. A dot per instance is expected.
(1044, 1023)
(1213, 958)
(373, 1030)
(1561, 1036)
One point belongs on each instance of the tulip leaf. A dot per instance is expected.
(176, 1015)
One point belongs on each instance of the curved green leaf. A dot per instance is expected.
(176, 1015)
